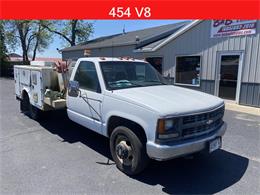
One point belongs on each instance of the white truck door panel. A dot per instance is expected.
(93, 100)
(86, 108)
(36, 88)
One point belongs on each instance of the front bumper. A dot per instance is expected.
(169, 151)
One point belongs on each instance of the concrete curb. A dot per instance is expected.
(240, 108)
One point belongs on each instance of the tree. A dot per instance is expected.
(3, 50)
(72, 31)
(30, 35)
(42, 38)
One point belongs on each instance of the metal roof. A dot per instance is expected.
(150, 46)
(153, 46)
(145, 36)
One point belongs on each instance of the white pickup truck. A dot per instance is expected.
(127, 101)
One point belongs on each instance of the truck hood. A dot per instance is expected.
(169, 100)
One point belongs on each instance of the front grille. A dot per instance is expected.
(200, 124)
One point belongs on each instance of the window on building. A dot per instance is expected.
(86, 75)
(188, 70)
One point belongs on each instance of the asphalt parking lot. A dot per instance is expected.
(56, 155)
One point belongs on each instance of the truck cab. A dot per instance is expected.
(129, 102)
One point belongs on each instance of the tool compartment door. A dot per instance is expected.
(36, 89)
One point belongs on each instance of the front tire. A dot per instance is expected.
(128, 151)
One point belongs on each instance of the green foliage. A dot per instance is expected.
(72, 31)
(30, 35)
(3, 50)
(34, 36)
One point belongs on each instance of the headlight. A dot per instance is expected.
(167, 128)
(168, 124)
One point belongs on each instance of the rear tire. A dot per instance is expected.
(134, 158)
(24, 104)
(28, 109)
(34, 112)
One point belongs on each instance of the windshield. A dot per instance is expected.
(121, 75)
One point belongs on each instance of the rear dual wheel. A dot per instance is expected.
(24, 104)
(27, 108)
(128, 151)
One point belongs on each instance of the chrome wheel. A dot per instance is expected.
(128, 151)
(124, 151)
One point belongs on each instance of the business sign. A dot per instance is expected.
(228, 28)
(128, 9)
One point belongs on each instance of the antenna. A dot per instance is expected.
(112, 48)
(124, 30)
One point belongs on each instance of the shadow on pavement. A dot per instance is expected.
(205, 174)
(58, 123)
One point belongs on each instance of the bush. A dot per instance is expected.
(7, 68)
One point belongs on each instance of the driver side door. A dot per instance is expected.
(86, 108)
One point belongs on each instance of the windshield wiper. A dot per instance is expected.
(124, 82)
(156, 81)
(119, 82)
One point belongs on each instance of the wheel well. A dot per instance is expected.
(116, 121)
(24, 94)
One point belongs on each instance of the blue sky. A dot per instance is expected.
(107, 27)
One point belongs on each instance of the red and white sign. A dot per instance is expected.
(129, 9)
(228, 28)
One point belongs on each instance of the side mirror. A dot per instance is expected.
(73, 89)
